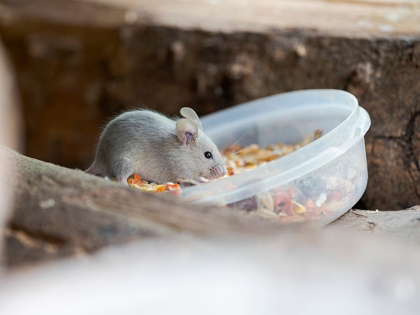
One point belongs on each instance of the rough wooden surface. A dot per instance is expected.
(402, 225)
(75, 71)
(60, 212)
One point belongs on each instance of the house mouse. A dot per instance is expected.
(157, 148)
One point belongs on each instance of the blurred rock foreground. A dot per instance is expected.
(292, 273)
(80, 62)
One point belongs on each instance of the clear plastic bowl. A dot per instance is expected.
(327, 177)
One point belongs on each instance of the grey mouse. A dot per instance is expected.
(157, 148)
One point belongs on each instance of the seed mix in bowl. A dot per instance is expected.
(285, 204)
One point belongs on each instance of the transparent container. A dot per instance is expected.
(320, 181)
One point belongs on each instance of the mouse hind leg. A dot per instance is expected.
(123, 169)
(94, 169)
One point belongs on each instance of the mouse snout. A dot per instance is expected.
(224, 170)
(218, 171)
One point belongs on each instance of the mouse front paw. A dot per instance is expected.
(188, 182)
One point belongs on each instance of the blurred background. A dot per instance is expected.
(79, 63)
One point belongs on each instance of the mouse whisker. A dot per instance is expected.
(240, 138)
(239, 151)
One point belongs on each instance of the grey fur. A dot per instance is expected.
(146, 143)
(191, 115)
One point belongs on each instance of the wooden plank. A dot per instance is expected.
(356, 18)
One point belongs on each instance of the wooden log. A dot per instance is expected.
(86, 61)
(59, 212)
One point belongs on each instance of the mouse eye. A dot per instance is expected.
(208, 155)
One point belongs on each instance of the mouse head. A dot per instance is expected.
(205, 158)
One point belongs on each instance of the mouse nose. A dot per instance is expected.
(224, 170)
(218, 171)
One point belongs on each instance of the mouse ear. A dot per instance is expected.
(186, 130)
(191, 115)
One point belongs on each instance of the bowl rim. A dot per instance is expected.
(318, 160)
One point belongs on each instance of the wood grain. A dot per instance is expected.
(356, 18)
